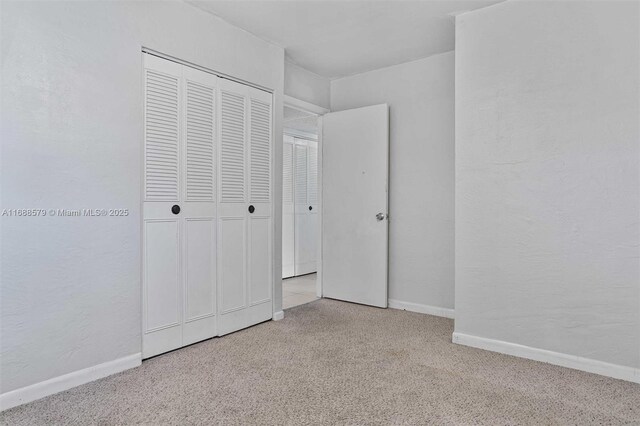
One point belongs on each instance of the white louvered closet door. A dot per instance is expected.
(312, 210)
(245, 222)
(179, 303)
(306, 206)
(288, 209)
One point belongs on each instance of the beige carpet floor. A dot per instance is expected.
(331, 362)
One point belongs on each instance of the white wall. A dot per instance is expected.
(547, 177)
(306, 86)
(72, 138)
(420, 95)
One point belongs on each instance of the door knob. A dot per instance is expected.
(175, 209)
(252, 209)
(381, 216)
(310, 208)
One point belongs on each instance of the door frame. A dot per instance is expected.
(318, 111)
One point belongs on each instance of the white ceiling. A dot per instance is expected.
(339, 38)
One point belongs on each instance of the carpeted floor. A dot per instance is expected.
(331, 362)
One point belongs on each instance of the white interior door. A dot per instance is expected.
(179, 249)
(306, 206)
(288, 208)
(355, 172)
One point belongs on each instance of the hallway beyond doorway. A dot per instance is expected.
(298, 290)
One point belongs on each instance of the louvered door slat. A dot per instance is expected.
(161, 136)
(313, 175)
(301, 174)
(200, 142)
(232, 131)
(260, 152)
(287, 173)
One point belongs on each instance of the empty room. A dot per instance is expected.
(320, 212)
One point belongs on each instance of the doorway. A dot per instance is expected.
(342, 246)
(301, 204)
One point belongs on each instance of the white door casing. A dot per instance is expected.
(355, 172)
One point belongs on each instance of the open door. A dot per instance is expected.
(355, 174)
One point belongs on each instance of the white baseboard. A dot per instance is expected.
(277, 316)
(61, 383)
(422, 309)
(556, 358)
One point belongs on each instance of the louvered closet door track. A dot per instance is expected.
(152, 52)
(207, 256)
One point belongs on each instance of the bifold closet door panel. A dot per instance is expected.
(199, 278)
(245, 221)
(301, 256)
(232, 202)
(306, 240)
(162, 280)
(162, 307)
(232, 264)
(288, 210)
(260, 229)
(198, 208)
(306, 207)
(259, 260)
(179, 246)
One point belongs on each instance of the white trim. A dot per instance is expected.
(67, 381)
(300, 134)
(152, 52)
(320, 211)
(556, 358)
(277, 316)
(422, 309)
(304, 106)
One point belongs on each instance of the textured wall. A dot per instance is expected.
(547, 177)
(420, 95)
(72, 138)
(305, 85)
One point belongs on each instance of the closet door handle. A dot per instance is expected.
(175, 209)
(310, 208)
(252, 209)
